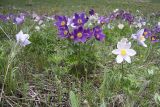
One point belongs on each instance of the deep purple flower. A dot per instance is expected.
(154, 39)
(147, 33)
(3, 17)
(128, 17)
(89, 33)
(63, 32)
(99, 36)
(91, 12)
(61, 21)
(79, 19)
(97, 29)
(79, 35)
(97, 32)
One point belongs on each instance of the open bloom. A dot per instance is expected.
(79, 19)
(120, 26)
(22, 39)
(139, 36)
(124, 52)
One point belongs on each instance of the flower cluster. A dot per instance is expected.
(77, 27)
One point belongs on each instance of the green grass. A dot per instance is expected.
(56, 69)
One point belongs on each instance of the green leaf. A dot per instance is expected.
(73, 99)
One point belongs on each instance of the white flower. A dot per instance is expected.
(115, 10)
(124, 52)
(37, 28)
(120, 26)
(22, 39)
(139, 37)
(158, 23)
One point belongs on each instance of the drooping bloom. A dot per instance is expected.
(79, 19)
(91, 12)
(22, 39)
(79, 34)
(139, 37)
(124, 52)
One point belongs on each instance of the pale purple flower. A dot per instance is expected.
(22, 39)
(139, 37)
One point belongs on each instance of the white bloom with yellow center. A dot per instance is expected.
(120, 26)
(124, 52)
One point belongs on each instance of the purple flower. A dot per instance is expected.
(61, 21)
(147, 33)
(97, 29)
(154, 39)
(79, 34)
(100, 36)
(3, 18)
(79, 19)
(102, 20)
(128, 17)
(89, 33)
(63, 32)
(97, 32)
(91, 12)
(19, 20)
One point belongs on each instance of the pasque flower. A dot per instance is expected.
(79, 19)
(139, 37)
(124, 52)
(79, 35)
(22, 39)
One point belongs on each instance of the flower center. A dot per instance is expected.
(123, 52)
(145, 33)
(97, 36)
(63, 23)
(72, 37)
(153, 38)
(65, 32)
(142, 38)
(79, 35)
(79, 21)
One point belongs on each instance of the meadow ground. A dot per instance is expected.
(53, 72)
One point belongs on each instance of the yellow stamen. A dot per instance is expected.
(153, 38)
(145, 33)
(79, 21)
(63, 23)
(142, 38)
(65, 32)
(79, 35)
(123, 52)
(72, 37)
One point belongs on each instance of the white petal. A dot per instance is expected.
(119, 59)
(143, 44)
(134, 36)
(140, 32)
(128, 59)
(116, 51)
(131, 52)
